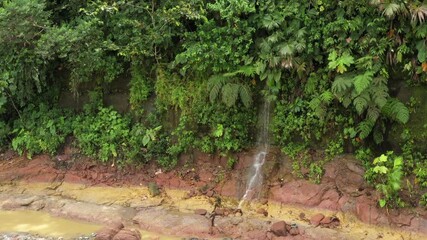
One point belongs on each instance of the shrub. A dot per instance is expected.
(40, 129)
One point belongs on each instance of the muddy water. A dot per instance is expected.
(43, 224)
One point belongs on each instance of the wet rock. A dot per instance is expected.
(326, 220)
(200, 212)
(153, 188)
(128, 234)
(299, 192)
(262, 211)
(19, 202)
(330, 222)
(108, 232)
(294, 230)
(219, 211)
(316, 219)
(366, 211)
(210, 193)
(177, 223)
(279, 228)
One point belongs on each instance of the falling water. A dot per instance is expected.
(255, 182)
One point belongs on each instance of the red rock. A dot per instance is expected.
(279, 228)
(128, 234)
(200, 211)
(326, 220)
(262, 211)
(315, 219)
(294, 231)
(210, 193)
(108, 232)
(366, 211)
(299, 192)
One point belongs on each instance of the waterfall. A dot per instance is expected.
(253, 188)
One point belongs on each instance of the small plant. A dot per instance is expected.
(423, 200)
(231, 161)
(315, 172)
(386, 175)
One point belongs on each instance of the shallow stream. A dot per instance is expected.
(43, 224)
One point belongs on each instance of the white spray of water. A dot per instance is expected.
(255, 182)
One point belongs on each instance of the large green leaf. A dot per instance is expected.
(362, 81)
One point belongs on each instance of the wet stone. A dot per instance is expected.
(200, 211)
(315, 219)
(279, 228)
(262, 211)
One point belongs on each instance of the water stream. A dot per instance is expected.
(253, 188)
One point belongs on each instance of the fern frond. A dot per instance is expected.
(248, 71)
(215, 83)
(360, 103)
(245, 95)
(365, 128)
(396, 110)
(379, 95)
(361, 82)
(327, 97)
(342, 83)
(373, 114)
(286, 49)
(230, 93)
(314, 103)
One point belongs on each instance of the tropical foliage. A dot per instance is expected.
(196, 71)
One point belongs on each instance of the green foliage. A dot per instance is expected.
(340, 63)
(296, 122)
(139, 90)
(22, 70)
(386, 175)
(228, 132)
(40, 130)
(230, 89)
(102, 135)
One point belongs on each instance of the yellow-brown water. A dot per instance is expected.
(44, 224)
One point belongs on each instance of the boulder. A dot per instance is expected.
(316, 219)
(128, 234)
(108, 232)
(279, 228)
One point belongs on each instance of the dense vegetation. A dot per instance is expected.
(328, 67)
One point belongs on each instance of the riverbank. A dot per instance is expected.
(181, 203)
